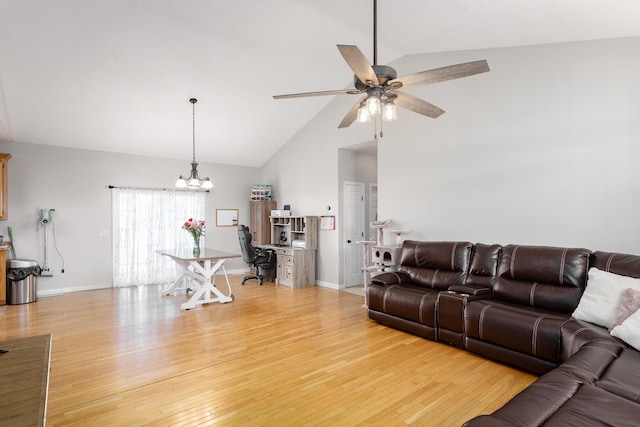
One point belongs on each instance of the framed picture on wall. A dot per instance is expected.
(328, 222)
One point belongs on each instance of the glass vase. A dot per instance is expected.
(196, 246)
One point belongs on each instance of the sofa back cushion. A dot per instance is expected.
(436, 265)
(540, 276)
(484, 264)
(622, 264)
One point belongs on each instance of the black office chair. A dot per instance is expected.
(259, 258)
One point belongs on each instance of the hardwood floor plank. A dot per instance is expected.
(274, 356)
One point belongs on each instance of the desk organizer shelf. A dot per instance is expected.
(300, 229)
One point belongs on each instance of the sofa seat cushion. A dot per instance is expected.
(573, 393)
(407, 301)
(527, 330)
(533, 405)
(622, 377)
(592, 406)
(557, 404)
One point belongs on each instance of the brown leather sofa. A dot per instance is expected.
(513, 304)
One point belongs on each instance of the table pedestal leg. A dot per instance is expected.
(206, 293)
(184, 282)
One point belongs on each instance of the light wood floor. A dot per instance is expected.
(274, 356)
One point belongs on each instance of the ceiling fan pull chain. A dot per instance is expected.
(375, 129)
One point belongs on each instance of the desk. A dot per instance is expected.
(24, 380)
(199, 272)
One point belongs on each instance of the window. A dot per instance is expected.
(144, 221)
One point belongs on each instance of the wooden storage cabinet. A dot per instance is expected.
(296, 267)
(259, 225)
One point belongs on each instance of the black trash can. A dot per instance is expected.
(22, 281)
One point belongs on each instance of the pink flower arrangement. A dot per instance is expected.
(195, 227)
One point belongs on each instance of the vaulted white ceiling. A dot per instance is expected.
(117, 75)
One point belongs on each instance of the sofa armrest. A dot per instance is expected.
(470, 290)
(391, 278)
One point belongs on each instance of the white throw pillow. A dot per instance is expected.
(602, 296)
(629, 330)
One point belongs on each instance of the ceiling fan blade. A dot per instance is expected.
(351, 115)
(417, 105)
(359, 64)
(441, 74)
(320, 93)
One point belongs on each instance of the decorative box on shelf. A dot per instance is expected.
(261, 192)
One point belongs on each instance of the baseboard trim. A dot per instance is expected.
(329, 285)
(61, 291)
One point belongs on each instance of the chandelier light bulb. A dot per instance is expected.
(363, 114)
(373, 105)
(389, 112)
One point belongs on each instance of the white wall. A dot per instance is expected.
(75, 183)
(541, 150)
(5, 129)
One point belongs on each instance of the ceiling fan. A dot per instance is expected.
(381, 85)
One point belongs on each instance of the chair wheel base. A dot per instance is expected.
(260, 279)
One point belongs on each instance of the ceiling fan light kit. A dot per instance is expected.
(373, 105)
(389, 111)
(194, 181)
(381, 85)
(363, 114)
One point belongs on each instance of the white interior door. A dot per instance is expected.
(373, 206)
(353, 196)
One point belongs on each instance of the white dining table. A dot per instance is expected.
(199, 275)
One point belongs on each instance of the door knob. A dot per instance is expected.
(348, 241)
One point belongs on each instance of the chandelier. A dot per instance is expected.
(194, 180)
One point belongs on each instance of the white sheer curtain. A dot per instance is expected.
(145, 220)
